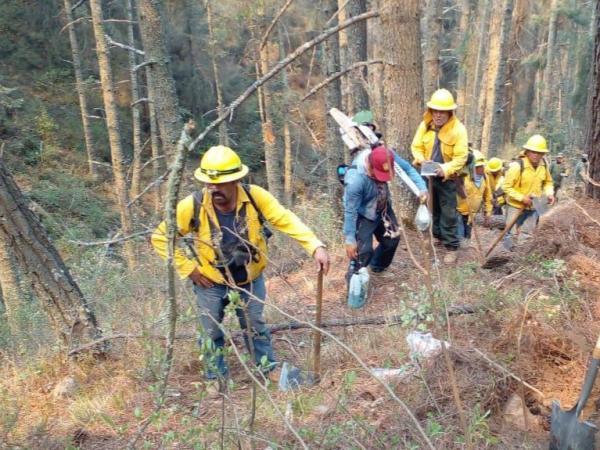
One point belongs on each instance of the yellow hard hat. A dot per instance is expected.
(219, 165)
(442, 100)
(536, 143)
(479, 158)
(494, 164)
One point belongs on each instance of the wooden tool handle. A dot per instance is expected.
(506, 230)
(596, 352)
(317, 333)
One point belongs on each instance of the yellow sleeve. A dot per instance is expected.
(510, 181)
(460, 154)
(417, 147)
(284, 220)
(487, 197)
(183, 265)
(548, 184)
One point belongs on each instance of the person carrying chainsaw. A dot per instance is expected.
(442, 138)
(229, 220)
(526, 180)
(368, 208)
(494, 172)
(477, 193)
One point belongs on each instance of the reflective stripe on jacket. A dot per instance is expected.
(530, 181)
(275, 214)
(454, 141)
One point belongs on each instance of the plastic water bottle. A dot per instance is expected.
(358, 288)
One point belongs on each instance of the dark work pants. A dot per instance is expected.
(380, 258)
(445, 216)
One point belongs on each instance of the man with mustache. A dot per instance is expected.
(229, 222)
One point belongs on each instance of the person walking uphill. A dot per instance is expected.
(526, 179)
(442, 138)
(229, 220)
(368, 208)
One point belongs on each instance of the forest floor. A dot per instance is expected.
(535, 314)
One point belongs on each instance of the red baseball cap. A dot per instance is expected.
(382, 163)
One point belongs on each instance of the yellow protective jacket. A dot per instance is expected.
(475, 197)
(530, 181)
(275, 214)
(453, 139)
(496, 179)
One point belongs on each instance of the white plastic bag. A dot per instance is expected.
(422, 218)
(423, 345)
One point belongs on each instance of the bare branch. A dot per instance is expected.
(141, 100)
(339, 74)
(110, 241)
(335, 14)
(123, 46)
(77, 5)
(150, 186)
(265, 37)
(80, 19)
(142, 65)
(119, 21)
(228, 111)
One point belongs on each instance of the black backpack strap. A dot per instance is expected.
(195, 220)
(261, 217)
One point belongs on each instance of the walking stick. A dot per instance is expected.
(506, 230)
(317, 333)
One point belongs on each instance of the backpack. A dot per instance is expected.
(341, 171)
(522, 167)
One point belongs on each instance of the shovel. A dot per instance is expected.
(566, 431)
(316, 368)
(503, 233)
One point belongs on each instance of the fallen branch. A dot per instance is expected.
(507, 372)
(114, 43)
(279, 327)
(280, 13)
(150, 186)
(339, 74)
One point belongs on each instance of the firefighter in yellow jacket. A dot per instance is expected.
(526, 179)
(229, 221)
(442, 138)
(478, 192)
(494, 172)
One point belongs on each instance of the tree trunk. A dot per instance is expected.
(476, 97)
(465, 58)
(334, 146)
(266, 107)
(212, 45)
(402, 84)
(286, 107)
(547, 97)
(162, 87)
(431, 55)
(593, 136)
(491, 133)
(158, 162)
(375, 51)
(114, 133)
(27, 240)
(343, 50)
(80, 88)
(358, 99)
(136, 117)
(12, 295)
(513, 69)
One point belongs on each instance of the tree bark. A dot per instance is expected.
(334, 146)
(547, 97)
(513, 69)
(114, 133)
(12, 295)
(431, 55)
(80, 88)
(136, 117)
(212, 45)
(476, 97)
(465, 57)
(358, 99)
(342, 15)
(26, 238)
(491, 133)
(158, 163)
(375, 52)
(162, 87)
(593, 136)
(402, 84)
